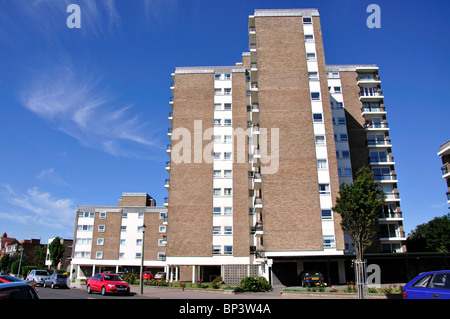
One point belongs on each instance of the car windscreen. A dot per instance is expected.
(41, 273)
(112, 278)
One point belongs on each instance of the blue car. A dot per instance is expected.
(428, 285)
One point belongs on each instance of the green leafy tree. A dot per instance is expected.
(5, 263)
(360, 206)
(433, 236)
(56, 250)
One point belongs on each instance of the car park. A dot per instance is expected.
(17, 290)
(428, 285)
(107, 283)
(56, 280)
(38, 276)
(310, 278)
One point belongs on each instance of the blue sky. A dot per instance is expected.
(84, 111)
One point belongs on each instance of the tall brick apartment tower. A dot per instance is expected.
(258, 151)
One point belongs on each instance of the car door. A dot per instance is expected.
(439, 287)
(96, 283)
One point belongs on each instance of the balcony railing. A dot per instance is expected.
(376, 125)
(378, 142)
(385, 159)
(368, 109)
(445, 169)
(391, 214)
(396, 234)
(385, 177)
(391, 195)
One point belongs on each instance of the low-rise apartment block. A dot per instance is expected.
(444, 153)
(110, 238)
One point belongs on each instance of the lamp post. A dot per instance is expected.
(141, 281)
(20, 262)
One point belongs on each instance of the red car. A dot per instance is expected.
(107, 283)
(147, 275)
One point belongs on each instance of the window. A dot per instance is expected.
(324, 189)
(227, 106)
(138, 242)
(138, 256)
(309, 38)
(216, 230)
(341, 120)
(311, 56)
(345, 154)
(228, 210)
(228, 230)
(140, 215)
(313, 76)
(344, 137)
(101, 228)
(227, 191)
(217, 192)
(327, 214)
(162, 229)
(227, 139)
(217, 122)
(217, 106)
(161, 256)
(227, 91)
(217, 138)
(328, 242)
(228, 250)
(217, 76)
(217, 155)
(162, 215)
(317, 117)
(307, 20)
(102, 215)
(140, 229)
(99, 255)
(339, 105)
(100, 241)
(217, 91)
(124, 215)
(320, 139)
(227, 156)
(122, 242)
(227, 122)
(217, 250)
(322, 164)
(337, 89)
(217, 173)
(217, 210)
(123, 228)
(227, 173)
(315, 96)
(347, 172)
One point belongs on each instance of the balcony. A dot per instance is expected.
(391, 197)
(171, 102)
(371, 127)
(368, 78)
(258, 204)
(166, 183)
(367, 94)
(386, 178)
(168, 166)
(172, 86)
(169, 148)
(166, 201)
(445, 170)
(378, 143)
(258, 229)
(171, 117)
(257, 181)
(391, 216)
(368, 110)
(382, 160)
(169, 132)
(445, 149)
(448, 197)
(397, 235)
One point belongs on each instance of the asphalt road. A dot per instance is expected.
(71, 293)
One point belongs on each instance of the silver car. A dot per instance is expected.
(38, 276)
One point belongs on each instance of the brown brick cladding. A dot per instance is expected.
(111, 235)
(241, 241)
(191, 185)
(291, 208)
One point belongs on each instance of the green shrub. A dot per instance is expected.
(130, 278)
(215, 284)
(255, 284)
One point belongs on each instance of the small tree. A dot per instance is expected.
(56, 250)
(433, 236)
(360, 206)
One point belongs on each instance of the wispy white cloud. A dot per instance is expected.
(34, 209)
(77, 104)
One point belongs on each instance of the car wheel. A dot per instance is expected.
(53, 286)
(89, 291)
(103, 291)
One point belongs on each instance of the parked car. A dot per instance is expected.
(17, 290)
(428, 285)
(147, 275)
(56, 280)
(160, 275)
(310, 278)
(9, 278)
(38, 276)
(107, 283)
